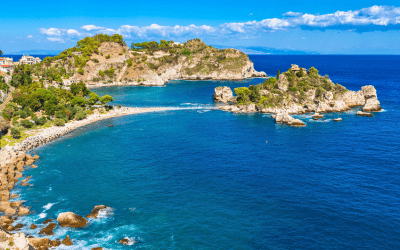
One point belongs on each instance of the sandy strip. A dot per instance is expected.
(47, 135)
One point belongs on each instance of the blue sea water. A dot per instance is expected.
(197, 178)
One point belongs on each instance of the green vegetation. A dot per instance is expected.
(270, 94)
(34, 106)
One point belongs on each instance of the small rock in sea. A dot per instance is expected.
(111, 126)
(317, 116)
(70, 219)
(55, 243)
(360, 113)
(48, 230)
(127, 241)
(96, 210)
(19, 225)
(14, 196)
(48, 220)
(67, 241)
(33, 226)
(34, 166)
(97, 248)
(337, 119)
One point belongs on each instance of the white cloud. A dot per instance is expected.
(56, 39)
(30, 36)
(291, 13)
(366, 19)
(91, 27)
(51, 31)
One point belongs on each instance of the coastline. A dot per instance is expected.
(47, 135)
(13, 159)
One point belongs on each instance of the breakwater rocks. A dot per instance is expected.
(325, 103)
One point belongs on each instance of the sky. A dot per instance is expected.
(325, 27)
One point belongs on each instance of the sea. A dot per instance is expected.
(194, 177)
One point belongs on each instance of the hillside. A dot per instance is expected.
(107, 59)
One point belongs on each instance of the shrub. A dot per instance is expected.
(101, 53)
(300, 73)
(78, 101)
(26, 123)
(108, 56)
(80, 71)
(59, 122)
(129, 62)
(313, 71)
(80, 115)
(172, 51)
(119, 106)
(15, 133)
(39, 121)
(96, 60)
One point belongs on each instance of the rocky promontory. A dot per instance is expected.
(105, 61)
(297, 91)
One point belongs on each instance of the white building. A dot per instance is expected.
(26, 59)
(6, 68)
(6, 61)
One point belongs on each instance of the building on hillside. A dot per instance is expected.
(26, 59)
(176, 44)
(69, 81)
(6, 68)
(6, 61)
(77, 53)
(3, 95)
(295, 68)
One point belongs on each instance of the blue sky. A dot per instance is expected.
(335, 27)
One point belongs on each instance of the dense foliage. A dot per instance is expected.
(270, 94)
(35, 105)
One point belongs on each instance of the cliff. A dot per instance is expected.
(297, 93)
(110, 61)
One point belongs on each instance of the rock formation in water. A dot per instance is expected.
(299, 92)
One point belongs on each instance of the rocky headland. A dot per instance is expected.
(297, 91)
(107, 61)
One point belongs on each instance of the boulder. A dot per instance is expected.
(48, 230)
(29, 162)
(283, 83)
(16, 203)
(317, 116)
(47, 221)
(96, 210)
(39, 242)
(127, 241)
(55, 243)
(97, 248)
(284, 117)
(360, 113)
(33, 226)
(70, 219)
(67, 241)
(10, 211)
(223, 94)
(297, 123)
(372, 105)
(23, 211)
(337, 119)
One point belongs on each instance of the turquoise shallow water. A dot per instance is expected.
(204, 179)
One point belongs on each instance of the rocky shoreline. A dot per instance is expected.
(14, 161)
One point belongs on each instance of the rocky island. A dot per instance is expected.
(297, 91)
(105, 60)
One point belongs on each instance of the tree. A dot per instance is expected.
(78, 101)
(106, 99)
(313, 71)
(278, 74)
(1, 53)
(300, 73)
(93, 98)
(130, 63)
(80, 71)
(108, 56)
